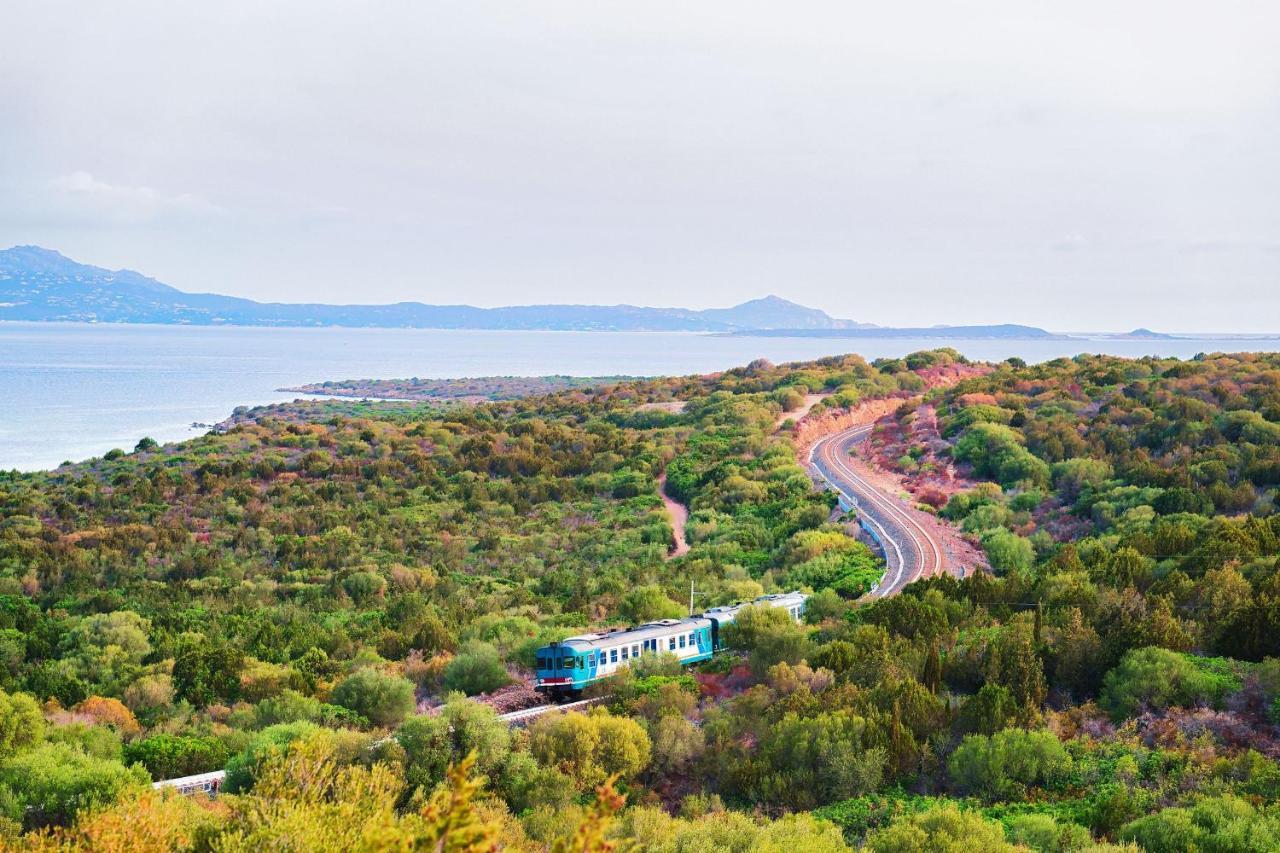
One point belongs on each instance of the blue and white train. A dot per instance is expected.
(566, 667)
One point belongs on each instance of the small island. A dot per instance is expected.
(477, 389)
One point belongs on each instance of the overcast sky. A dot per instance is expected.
(1085, 165)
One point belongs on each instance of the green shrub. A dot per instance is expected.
(381, 698)
(1002, 766)
(168, 756)
(1153, 677)
(477, 668)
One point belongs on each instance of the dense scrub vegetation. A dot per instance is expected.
(304, 599)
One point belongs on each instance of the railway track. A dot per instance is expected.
(523, 716)
(211, 783)
(910, 551)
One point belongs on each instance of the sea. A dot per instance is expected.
(71, 391)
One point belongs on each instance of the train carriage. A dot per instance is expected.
(566, 667)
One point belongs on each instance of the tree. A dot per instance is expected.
(989, 710)
(1044, 834)
(807, 761)
(306, 800)
(205, 671)
(110, 712)
(677, 743)
(932, 675)
(942, 829)
(651, 829)
(462, 728)
(648, 604)
(107, 649)
(1153, 677)
(149, 693)
(21, 723)
(1017, 666)
(142, 821)
(243, 767)
(289, 707)
(996, 451)
(864, 659)
(1008, 551)
(1077, 656)
(825, 606)
(769, 634)
(1003, 765)
(382, 699)
(53, 782)
(168, 756)
(590, 747)
(477, 668)
(1214, 823)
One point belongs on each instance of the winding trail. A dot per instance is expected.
(679, 515)
(797, 415)
(911, 551)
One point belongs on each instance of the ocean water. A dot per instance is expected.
(73, 391)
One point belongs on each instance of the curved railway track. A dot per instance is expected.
(910, 551)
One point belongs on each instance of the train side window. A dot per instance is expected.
(542, 663)
(682, 641)
(613, 655)
(624, 652)
(672, 644)
(635, 651)
(692, 640)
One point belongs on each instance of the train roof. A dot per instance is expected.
(777, 599)
(650, 630)
(663, 627)
(782, 599)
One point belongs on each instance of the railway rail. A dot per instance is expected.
(523, 716)
(910, 551)
(211, 783)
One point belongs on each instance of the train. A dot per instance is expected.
(566, 667)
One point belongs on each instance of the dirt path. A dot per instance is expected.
(679, 515)
(797, 415)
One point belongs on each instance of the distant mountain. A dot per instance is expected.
(42, 285)
(773, 312)
(1147, 335)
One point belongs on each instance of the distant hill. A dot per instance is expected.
(42, 285)
(1147, 335)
